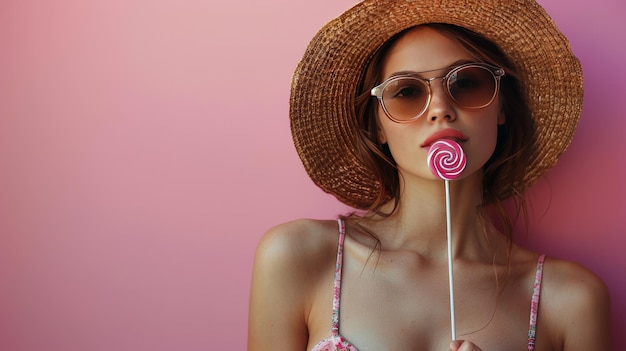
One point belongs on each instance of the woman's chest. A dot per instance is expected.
(410, 310)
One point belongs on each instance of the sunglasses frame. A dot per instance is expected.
(496, 72)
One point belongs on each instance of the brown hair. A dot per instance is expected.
(514, 143)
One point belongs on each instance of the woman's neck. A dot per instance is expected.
(419, 222)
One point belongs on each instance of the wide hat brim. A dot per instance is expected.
(324, 85)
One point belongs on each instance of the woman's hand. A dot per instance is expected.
(462, 345)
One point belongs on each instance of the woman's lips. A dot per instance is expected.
(449, 133)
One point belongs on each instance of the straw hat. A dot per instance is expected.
(324, 86)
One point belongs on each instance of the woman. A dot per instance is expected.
(375, 89)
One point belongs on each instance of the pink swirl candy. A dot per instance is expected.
(446, 159)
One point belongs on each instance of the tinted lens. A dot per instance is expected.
(472, 87)
(404, 98)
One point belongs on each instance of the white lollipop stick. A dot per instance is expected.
(450, 264)
(446, 160)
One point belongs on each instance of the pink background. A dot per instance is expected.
(145, 148)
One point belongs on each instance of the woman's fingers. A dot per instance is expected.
(462, 345)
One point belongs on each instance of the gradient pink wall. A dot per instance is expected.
(145, 148)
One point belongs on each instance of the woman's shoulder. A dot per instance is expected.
(291, 262)
(576, 302)
(579, 282)
(299, 239)
(562, 275)
(298, 248)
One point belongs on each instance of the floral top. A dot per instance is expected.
(336, 342)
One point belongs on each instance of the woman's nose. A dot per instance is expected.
(441, 107)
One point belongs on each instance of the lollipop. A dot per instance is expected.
(446, 159)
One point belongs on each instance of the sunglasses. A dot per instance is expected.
(470, 85)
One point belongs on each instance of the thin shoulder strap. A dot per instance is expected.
(534, 305)
(337, 289)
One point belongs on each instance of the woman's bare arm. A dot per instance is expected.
(291, 259)
(581, 307)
